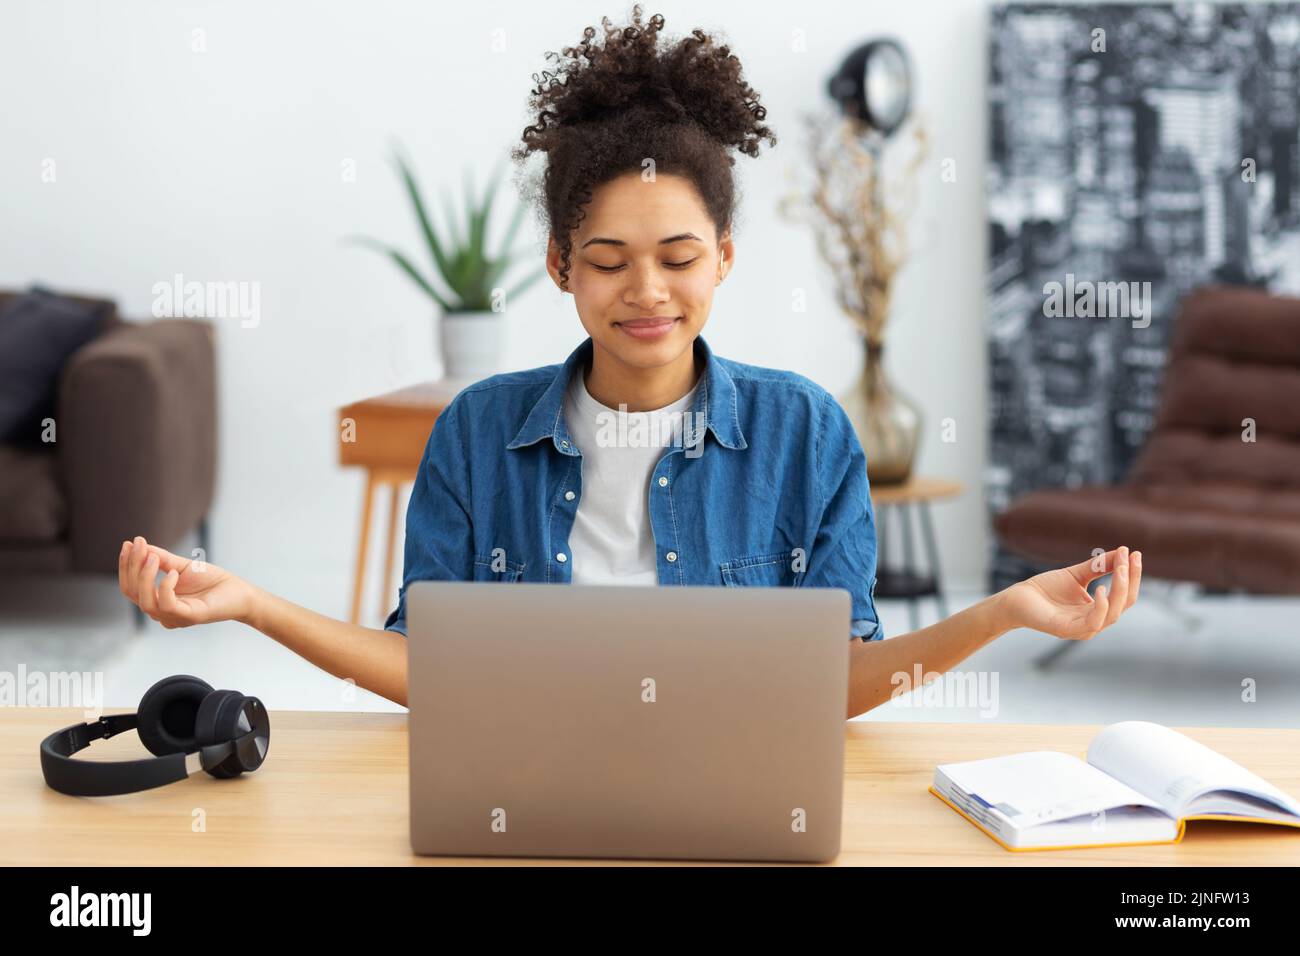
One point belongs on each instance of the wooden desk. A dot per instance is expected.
(334, 791)
(387, 438)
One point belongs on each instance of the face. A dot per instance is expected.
(645, 261)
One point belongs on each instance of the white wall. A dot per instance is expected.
(226, 165)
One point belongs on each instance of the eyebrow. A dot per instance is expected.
(603, 241)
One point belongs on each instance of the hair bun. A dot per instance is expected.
(606, 78)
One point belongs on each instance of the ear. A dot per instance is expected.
(726, 255)
(553, 262)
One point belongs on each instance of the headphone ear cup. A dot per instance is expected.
(165, 719)
(217, 721)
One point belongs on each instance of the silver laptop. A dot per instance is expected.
(632, 722)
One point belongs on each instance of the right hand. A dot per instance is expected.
(190, 592)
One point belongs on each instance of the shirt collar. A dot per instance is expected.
(715, 405)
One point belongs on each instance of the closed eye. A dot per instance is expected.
(670, 265)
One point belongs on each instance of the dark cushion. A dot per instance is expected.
(39, 332)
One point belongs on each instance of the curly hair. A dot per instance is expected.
(607, 107)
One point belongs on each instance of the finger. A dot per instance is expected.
(133, 571)
(1135, 577)
(121, 567)
(1086, 571)
(1100, 605)
(168, 603)
(147, 590)
(168, 561)
(139, 552)
(1118, 597)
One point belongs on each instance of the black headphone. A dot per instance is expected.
(181, 719)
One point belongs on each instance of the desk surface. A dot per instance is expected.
(334, 791)
(914, 490)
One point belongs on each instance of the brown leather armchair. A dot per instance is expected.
(1201, 503)
(135, 452)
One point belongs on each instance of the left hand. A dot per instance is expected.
(1057, 602)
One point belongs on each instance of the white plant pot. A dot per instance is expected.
(472, 344)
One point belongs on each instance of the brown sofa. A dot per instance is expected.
(1200, 503)
(135, 451)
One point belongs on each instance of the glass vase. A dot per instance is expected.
(888, 423)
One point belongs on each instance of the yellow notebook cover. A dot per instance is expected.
(1182, 828)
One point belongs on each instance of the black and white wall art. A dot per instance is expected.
(1136, 152)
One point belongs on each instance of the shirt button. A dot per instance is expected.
(569, 496)
(671, 555)
(561, 557)
(564, 444)
(663, 482)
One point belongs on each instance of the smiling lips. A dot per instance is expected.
(649, 327)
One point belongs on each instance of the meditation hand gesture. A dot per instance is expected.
(1057, 602)
(191, 592)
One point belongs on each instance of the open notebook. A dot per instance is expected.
(1141, 783)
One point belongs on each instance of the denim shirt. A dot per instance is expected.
(766, 486)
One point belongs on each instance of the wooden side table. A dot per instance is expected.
(388, 438)
(907, 582)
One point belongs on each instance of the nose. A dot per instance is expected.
(646, 289)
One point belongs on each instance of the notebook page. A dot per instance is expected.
(1041, 786)
(1121, 825)
(1171, 768)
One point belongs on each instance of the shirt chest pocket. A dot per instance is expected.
(774, 570)
(496, 568)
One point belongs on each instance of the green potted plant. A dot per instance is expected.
(468, 290)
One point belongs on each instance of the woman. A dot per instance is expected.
(710, 472)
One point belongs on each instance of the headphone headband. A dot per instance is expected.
(97, 778)
(211, 746)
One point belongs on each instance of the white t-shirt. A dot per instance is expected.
(611, 541)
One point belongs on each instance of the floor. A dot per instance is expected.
(1175, 658)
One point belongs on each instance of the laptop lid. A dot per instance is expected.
(628, 722)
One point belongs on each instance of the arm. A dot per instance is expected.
(439, 538)
(193, 592)
(939, 647)
(1055, 602)
(844, 556)
(374, 659)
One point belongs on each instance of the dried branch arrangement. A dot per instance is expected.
(860, 226)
